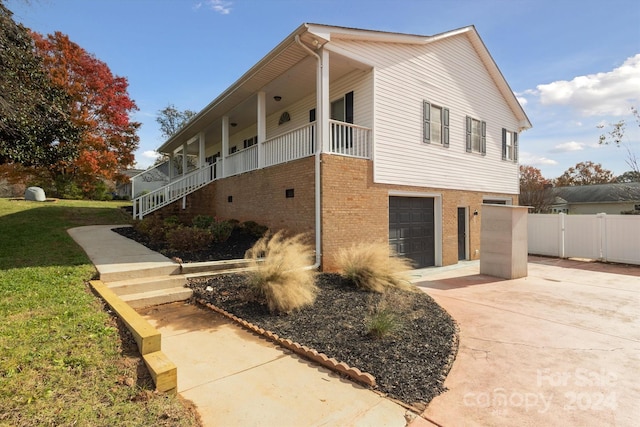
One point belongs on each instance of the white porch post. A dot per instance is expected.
(322, 94)
(262, 126)
(184, 159)
(201, 150)
(171, 166)
(225, 144)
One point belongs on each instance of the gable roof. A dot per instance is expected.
(288, 53)
(599, 193)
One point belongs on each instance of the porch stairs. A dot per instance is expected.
(174, 191)
(159, 285)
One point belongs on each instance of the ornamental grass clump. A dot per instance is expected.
(382, 322)
(278, 274)
(373, 267)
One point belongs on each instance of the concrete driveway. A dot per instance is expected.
(559, 347)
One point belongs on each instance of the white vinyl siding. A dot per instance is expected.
(358, 82)
(446, 72)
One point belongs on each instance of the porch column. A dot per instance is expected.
(322, 94)
(201, 150)
(184, 159)
(262, 126)
(171, 166)
(225, 144)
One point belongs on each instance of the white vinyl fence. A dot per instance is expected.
(614, 238)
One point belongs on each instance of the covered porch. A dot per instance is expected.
(301, 100)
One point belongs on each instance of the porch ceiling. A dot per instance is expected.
(291, 74)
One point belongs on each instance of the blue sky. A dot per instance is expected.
(574, 64)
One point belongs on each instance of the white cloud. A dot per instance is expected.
(609, 93)
(220, 6)
(567, 147)
(150, 154)
(522, 100)
(534, 160)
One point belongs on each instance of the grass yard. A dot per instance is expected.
(64, 360)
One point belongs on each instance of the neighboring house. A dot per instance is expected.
(598, 198)
(357, 136)
(123, 189)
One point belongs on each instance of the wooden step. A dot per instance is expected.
(136, 286)
(163, 371)
(161, 296)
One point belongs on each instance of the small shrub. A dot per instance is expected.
(381, 323)
(254, 229)
(172, 220)
(278, 273)
(188, 239)
(153, 227)
(372, 266)
(221, 230)
(202, 221)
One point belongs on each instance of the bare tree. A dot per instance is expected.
(616, 136)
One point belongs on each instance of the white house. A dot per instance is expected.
(356, 135)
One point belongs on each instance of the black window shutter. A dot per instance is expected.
(426, 122)
(483, 140)
(348, 107)
(468, 134)
(312, 115)
(445, 127)
(504, 144)
(515, 147)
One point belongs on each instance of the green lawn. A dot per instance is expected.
(63, 358)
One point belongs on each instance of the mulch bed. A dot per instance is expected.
(409, 365)
(233, 248)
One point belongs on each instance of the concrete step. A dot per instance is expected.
(209, 266)
(137, 270)
(162, 296)
(136, 286)
(216, 273)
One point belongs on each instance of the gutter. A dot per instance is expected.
(318, 179)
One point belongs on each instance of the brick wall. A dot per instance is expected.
(355, 209)
(258, 196)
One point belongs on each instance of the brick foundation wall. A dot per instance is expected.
(258, 196)
(355, 209)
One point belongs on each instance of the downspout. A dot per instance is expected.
(317, 167)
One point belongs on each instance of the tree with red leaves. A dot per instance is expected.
(100, 107)
(535, 189)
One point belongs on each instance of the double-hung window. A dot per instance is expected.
(509, 145)
(435, 121)
(476, 136)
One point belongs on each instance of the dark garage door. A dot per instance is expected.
(411, 229)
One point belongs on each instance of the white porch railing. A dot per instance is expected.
(346, 139)
(350, 140)
(150, 179)
(241, 161)
(292, 145)
(161, 197)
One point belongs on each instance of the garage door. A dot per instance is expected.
(411, 229)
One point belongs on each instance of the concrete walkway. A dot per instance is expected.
(234, 377)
